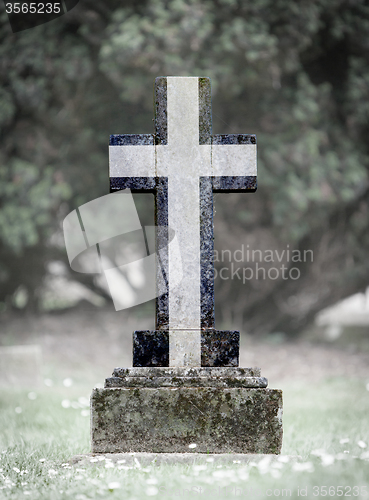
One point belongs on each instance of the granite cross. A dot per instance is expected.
(183, 164)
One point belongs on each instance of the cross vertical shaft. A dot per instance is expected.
(183, 159)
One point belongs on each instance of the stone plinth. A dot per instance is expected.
(157, 410)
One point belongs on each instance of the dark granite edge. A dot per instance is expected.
(205, 118)
(234, 184)
(132, 140)
(160, 110)
(233, 139)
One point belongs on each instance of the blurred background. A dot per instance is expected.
(296, 74)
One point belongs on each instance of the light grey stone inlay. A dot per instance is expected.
(132, 161)
(187, 160)
(234, 159)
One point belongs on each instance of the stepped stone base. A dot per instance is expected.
(221, 410)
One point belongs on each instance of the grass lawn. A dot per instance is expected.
(325, 423)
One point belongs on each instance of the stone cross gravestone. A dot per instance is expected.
(185, 385)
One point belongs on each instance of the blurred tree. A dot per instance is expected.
(294, 73)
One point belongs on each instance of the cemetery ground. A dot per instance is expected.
(326, 427)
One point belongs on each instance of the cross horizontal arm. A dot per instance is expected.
(234, 162)
(132, 156)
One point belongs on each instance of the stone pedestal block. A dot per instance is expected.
(221, 410)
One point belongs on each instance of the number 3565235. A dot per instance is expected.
(33, 8)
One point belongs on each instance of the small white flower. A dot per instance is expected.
(48, 382)
(25, 492)
(52, 472)
(275, 473)
(264, 464)
(152, 480)
(18, 409)
(191, 446)
(67, 382)
(284, 459)
(32, 396)
(236, 461)
(152, 491)
(113, 485)
(344, 440)
(65, 465)
(303, 467)
(85, 413)
(109, 465)
(277, 465)
(327, 460)
(16, 470)
(199, 467)
(94, 460)
(42, 460)
(121, 461)
(23, 484)
(318, 453)
(210, 459)
(362, 444)
(65, 403)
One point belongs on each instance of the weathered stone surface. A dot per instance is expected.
(255, 382)
(193, 371)
(156, 420)
(218, 347)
